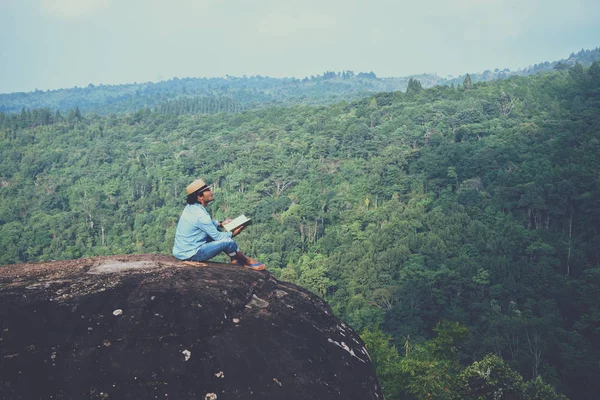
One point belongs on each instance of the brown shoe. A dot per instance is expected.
(247, 262)
(255, 266)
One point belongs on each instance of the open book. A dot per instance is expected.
(237, 222)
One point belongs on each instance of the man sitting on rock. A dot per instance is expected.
(198, 237)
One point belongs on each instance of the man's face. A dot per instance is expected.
(207, 196)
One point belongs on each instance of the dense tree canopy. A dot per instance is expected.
(479, 207)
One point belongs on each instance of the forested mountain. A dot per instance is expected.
(583, 57)
(208, 95)
(462, 222)
(234, 94)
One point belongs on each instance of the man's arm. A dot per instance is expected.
(210, 228)
(237, 230)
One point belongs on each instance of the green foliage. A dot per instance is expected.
(474, 206)
(386, 361)
(536, 389)
(449, 337)
(414, 86)
(491, 379)
(427, 378)
(430, 370)
(468, 83)
(424, 372)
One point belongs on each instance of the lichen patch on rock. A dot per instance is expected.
(111, 267)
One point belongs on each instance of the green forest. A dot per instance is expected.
(455, 227)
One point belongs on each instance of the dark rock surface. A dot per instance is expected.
(146, 327)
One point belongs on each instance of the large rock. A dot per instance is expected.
(146, 327)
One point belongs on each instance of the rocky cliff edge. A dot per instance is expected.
(146, 326)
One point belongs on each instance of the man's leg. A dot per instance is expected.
(211, 249)
(230, 247)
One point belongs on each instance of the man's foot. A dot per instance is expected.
(195, 263)
(255, 265)
(240, 259)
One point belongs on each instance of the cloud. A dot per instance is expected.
(277, 24)
(484, 20)
(73, 9)
(179, 18)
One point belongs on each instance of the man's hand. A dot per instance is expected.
(226, 221)
(237, 231)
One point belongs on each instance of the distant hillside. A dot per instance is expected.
(210, 95)
(233, 94)
(583, 57)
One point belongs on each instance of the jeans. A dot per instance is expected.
(211, 249)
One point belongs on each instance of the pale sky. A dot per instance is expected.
(51, 44)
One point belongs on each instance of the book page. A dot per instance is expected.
(239, 221)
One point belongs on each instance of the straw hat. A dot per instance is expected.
(198, 184)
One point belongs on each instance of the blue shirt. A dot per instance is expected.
(194, 229)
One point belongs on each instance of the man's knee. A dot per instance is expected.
(230, 246)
